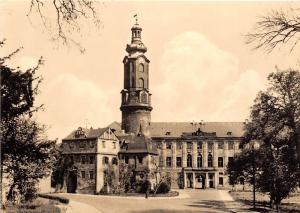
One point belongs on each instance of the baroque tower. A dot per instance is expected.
(136, 98)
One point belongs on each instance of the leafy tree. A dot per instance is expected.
(275, 118)
(247, 165)
(111, 177)
(161, 177)
(26, 154)
(126, 177)
(277, 178)
(276, 28)
(60, 168)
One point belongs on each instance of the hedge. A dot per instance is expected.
(55, 197)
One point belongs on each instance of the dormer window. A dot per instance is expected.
(79, 133)
(168, 133)
(229, 133)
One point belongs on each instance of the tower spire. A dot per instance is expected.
(136, 19)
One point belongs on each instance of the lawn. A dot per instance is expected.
(290, 204)
(39, 205)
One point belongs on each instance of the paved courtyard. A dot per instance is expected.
(207, 201)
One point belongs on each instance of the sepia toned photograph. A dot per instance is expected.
(149, 106)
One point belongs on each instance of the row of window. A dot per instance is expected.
(90, 175)
(199, 145)
(199, 161)
(89, 144)
(105, 161)
(87, 159)
(91, 160)
(139, 159)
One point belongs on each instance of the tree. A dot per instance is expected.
(26, 154)
(276, 28)
(69, 15)
(247, 165)
(111, 177)
(161, 178)
(274, 121)
(277, 178)
(126, 177)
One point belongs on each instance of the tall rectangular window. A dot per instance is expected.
(210, 160)
(91, 175)
(82, 174)
(114, 145)
(92, 158)
(220, 161)
(178, 162)
(103, 144)
(230, 145)
(189, 146)
(199, 146)
(169, 161)
(221, 181)
(210, 146)
(169, 145)
(83, 159)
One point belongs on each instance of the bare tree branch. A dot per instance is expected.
(276, 28)
(69, 15)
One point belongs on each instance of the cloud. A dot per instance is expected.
(74, 102)
(202, 81)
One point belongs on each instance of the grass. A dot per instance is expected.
(37, 206)
(262, 201)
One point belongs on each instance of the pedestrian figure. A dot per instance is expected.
(148, 185)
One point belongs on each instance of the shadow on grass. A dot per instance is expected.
(263, 206)
(213, 205)
(201, 206)
(173, 211)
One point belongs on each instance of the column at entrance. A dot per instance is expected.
(184, 180)
(194, 180)
(216, 180)
(206, 180)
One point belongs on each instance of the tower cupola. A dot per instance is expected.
(136, 45)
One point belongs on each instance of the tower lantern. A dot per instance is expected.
(136, 99)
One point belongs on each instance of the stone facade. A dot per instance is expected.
(193, 154)
(90, 151)
(200, 162)
(136, 98)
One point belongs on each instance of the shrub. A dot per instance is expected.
(163, 188)
(55, 197)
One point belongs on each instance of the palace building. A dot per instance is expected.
(194, 154)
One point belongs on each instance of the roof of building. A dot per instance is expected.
(139, 144)
(176, 129)
(86, 133)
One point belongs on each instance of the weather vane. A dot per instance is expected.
(136, 18)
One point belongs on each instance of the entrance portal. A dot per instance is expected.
(72, 182)
(200, 181)
(189, 180)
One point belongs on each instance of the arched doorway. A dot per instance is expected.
(189, 181)
(72, 182)
(200, 181)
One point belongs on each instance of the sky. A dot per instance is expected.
(200, 69)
